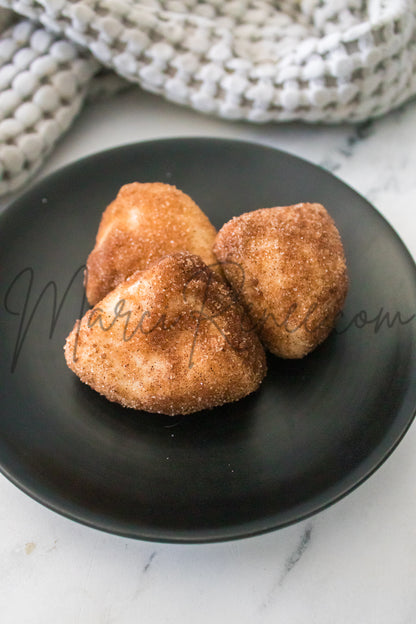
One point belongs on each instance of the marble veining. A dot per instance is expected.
(360, 132)
(149, 562)
(290, 562)
(334, 160)
(297, 554)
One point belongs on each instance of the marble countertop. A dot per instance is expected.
(355, 562)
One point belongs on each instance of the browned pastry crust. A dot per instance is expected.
(170, 339)
(144, 223)
(287, 266)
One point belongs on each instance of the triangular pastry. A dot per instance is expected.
(287, 267)
(144, 223)
(170, 339)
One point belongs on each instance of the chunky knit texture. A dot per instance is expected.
(258, 60)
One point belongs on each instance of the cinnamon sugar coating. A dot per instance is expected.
(287, 266)
(170, 339)
(144, 223)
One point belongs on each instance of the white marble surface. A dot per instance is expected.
(354, 563)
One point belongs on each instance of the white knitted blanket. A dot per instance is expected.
(258, 60)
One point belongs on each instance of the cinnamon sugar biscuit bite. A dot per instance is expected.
(287, 266)
(169, 339)
(144, 223)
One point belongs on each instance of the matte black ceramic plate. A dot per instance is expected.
(314, 431)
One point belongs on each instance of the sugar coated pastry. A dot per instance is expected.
(170, 339)
(287, 266)
(144, 223)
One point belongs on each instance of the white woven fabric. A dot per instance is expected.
(259, 60)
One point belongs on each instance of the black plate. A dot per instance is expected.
(314, 431)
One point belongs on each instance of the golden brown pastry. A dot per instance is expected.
(144, 223)
(170, 339)
(287, 266)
